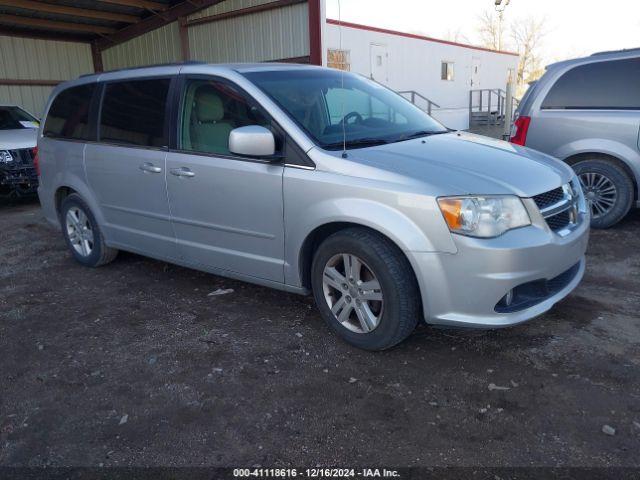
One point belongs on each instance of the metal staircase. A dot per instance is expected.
(419, 100)
(488, 107)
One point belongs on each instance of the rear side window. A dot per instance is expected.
(133, 113)
(69, 114)
(613, 85)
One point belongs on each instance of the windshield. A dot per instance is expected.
(326, 102)
(14, 118)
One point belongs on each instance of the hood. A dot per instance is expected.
(463, 163)
(17, 139)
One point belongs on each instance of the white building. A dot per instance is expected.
(441, 71)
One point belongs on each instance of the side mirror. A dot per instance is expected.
(252, 141)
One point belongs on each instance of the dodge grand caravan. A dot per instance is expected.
(314, 181)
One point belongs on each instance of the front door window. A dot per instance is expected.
(211, 110)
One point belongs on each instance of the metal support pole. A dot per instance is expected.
(508, 118)
(470, 106)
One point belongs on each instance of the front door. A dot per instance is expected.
(126, 169)
(379, 63)
(227, 211)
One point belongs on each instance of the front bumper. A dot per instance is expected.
(18, 181)
(464, 289)
(18, 178)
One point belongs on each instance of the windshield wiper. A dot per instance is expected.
(421, 133)
(360, 142)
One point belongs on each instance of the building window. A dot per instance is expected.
(339, 59)
(447, 71)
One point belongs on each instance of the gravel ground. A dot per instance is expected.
(136, 364)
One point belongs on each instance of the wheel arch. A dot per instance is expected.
(318, 235)
(72, 185)
(60, 194)
(594, 155)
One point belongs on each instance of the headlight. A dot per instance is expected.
(5, 156)
(485, 217)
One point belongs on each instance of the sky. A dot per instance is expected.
(574, 27)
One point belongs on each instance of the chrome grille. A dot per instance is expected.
(559, 207)
(22, 157)
(549, 198)
(559, 221)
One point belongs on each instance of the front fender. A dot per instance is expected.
(391, 222)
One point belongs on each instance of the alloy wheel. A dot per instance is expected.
(353, 293)
(600, 192)
(79, 231)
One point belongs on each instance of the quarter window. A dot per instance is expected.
(211, 109)
(613, 85)
(133, 113)
(68, 116)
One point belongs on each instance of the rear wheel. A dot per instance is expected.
(365, 289)
(82, 233)
(607, 189)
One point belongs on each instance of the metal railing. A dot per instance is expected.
(414, 96)
(488, 106)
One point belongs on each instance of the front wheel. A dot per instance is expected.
(365, 289)
(607, 189)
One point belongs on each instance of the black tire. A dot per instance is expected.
(100, 254)
(402, 304)
(620, 179)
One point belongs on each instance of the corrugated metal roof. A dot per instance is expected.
(84, 19)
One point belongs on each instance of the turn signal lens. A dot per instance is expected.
(483, 217)
(459, 213)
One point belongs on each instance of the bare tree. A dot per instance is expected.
(456, 36)
(527, 35)
(491, 30)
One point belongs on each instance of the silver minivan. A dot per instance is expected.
(586, 112)
(312, 180)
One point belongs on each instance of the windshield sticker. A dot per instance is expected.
(29, 124)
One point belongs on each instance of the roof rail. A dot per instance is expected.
(625, 50)
(173, 64)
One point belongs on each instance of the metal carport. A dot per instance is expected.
(44, 42)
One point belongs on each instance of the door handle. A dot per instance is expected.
(182, 172)
(150, 168)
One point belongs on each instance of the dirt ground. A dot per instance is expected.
(135, 364)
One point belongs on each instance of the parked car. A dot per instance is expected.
(587, 113)
(18, 137)
(311, 180)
